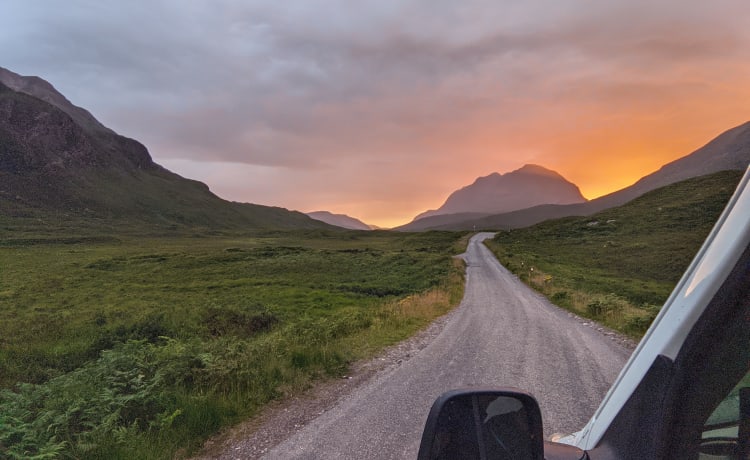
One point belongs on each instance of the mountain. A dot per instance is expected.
(728, 151)
(638, 250)
(41, 89)
(499, 193)
(58, 163)
(529, 186)
(339, 220)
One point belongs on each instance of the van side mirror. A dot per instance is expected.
(483, 424)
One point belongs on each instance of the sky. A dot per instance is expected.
(379, 109)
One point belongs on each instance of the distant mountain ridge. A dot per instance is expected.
(339, 220)
(496, 193)
(728, 151)
(57, 160)
(528, 186)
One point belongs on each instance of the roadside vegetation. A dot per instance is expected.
(115, 346)
(619, 266)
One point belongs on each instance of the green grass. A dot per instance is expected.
(115, 346)
(620, 265)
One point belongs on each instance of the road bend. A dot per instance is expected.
(503, 334)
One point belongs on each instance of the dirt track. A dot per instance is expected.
(502, 334)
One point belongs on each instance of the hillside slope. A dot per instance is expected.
(728, 151)
(638, 250)
(55, 167)
(339, 220)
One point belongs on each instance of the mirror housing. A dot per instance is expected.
(502, 423)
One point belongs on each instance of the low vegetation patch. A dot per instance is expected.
(142, 348)
(619, 266)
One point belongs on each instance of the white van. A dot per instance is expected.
(684, 393)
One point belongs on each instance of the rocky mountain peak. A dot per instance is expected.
(528, 186)
(537, 170)
(42, 89)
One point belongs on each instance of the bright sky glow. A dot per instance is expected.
(379, 109)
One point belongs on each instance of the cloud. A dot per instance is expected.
(381, 91)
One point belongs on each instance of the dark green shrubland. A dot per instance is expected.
(142, 348)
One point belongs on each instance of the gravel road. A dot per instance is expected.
(502, 334)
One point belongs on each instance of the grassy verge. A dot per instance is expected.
(619, 266)
(142, 348)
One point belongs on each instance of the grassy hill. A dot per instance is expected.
(619, 265)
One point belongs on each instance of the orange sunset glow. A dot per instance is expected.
(383, 109)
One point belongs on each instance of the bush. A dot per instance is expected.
(124, 391)
(606, 306)
(640, 324)
(560, 297)
(151, 329)
(242, 323)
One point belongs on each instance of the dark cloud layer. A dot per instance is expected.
(377, 102)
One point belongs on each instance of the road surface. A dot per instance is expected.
(503, 334)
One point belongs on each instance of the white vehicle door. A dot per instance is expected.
(685, 392)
